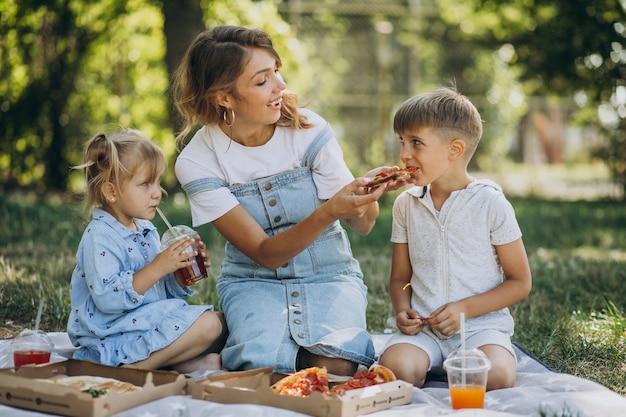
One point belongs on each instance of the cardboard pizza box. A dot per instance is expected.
(254, 387)
(22, 389)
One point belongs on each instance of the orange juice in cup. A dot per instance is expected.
(467, 378)
(467, 396)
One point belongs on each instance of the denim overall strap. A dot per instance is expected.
(318, 143)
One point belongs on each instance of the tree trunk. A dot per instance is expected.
(183, 21)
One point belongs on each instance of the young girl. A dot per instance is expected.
(127, 305)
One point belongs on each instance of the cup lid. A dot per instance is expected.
(31, 339)
(175, 233)
(467, 359)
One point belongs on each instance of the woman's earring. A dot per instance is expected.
(229, 119)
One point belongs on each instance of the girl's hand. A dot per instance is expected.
(447, 318)
(203, 252)
(408, 322)
(174, 257)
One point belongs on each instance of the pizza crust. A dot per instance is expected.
(97, 385)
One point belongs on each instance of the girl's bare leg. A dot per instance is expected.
(196, 349)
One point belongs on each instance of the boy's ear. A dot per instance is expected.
(457, 149)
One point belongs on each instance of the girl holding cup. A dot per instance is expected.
(127, 303)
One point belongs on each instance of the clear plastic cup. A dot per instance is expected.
(31, 346)
(197, 270)
(467, 378)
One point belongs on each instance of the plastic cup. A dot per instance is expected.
(31, 346)
(197, 270)
(467, 378)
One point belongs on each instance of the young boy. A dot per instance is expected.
(457, 246)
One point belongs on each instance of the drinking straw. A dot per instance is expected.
(38, 319)
(167, 223)
(463, 353)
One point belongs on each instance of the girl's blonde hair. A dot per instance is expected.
(115, 158)
(212, 64)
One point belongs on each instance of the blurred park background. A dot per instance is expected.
(548, 76)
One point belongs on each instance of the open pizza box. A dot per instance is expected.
(254, 387)
(24, 388)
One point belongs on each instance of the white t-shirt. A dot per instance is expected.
(212, 154)
(452, 252)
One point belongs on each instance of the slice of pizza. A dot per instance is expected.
(303, 383)
(97, 386)
(400, 175)
(376, 374)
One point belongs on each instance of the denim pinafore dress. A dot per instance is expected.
(316, 301)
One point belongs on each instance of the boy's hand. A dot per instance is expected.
(409, 322)
(447, 318)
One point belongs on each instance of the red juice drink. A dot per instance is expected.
(197, 270)
(31, 346)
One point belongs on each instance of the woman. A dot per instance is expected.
(272, 180)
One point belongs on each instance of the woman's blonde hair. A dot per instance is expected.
(115, 158)
(211, 65)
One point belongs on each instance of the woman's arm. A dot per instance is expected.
(241, 230)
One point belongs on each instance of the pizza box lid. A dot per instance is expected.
(254, 387)
(22, 390)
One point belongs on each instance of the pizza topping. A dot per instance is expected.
(377, 374)
(303, 383)
(400, 175)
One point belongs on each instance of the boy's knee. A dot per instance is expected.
(406, 370)
(500, 377)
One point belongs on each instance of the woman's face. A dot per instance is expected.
(259, 91)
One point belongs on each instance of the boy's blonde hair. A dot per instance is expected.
(448, 112)
(115, 158)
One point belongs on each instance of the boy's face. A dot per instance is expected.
(427, 152)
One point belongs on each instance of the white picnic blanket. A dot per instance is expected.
(538, 392)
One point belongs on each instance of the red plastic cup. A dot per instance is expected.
(31, 347)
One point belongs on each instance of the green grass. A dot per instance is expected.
(574, 319)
